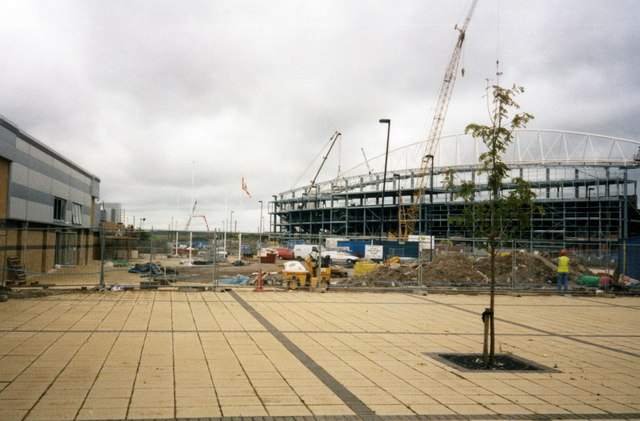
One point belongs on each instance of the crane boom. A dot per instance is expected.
(408, 216)
(366, 161)
(333, 140)
(446, 88)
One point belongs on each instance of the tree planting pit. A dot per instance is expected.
(502, 362)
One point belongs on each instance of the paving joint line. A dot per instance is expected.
(361, 410)
(546, 332)
(453, 417)
(139, 365)
(609, 304)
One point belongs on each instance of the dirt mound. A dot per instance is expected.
(384, 276)
(461, 268)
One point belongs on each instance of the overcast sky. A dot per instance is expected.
(150, 95)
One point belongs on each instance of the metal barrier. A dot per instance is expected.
(47, 257)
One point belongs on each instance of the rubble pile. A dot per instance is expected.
(456, 268)
(529, 269)
(459, 268)
(386, 276)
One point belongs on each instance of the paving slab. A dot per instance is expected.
(297, 355)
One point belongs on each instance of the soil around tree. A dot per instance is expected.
(502, 362)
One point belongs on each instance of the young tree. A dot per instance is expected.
(510, 204)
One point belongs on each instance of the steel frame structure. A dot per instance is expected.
(584, 182)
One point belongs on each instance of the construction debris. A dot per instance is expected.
(464, 269)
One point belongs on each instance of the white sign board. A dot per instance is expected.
(427, 242)
(372, 252)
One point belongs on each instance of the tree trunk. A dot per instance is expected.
(492, 332)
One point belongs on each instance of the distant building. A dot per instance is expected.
(109, 212)
(47, 204)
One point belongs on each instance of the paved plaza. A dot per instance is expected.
(145, 354)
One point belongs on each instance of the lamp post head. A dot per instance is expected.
(385, 121)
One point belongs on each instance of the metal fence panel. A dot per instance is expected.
(116, 256)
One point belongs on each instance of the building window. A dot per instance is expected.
(59, 209)
(76, 214)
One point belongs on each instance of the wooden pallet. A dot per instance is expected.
(16, 268)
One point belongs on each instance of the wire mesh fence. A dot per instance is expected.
(35, 257)
(147, 259)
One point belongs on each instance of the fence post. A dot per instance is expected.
(624, 256)
(215, 261)
(102, 257)
(419, 266)
(4, 258)
(514, 265)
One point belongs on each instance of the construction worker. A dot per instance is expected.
(563, 271)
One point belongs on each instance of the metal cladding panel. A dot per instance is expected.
(60, 189)
(17, 209)
(22, 145)
(79, 197)
(19, 174)
(7, 143)
(39, 182)
(39, 212)
(41, 156)
(61, 166)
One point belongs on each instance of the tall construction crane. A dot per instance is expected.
(410, 212)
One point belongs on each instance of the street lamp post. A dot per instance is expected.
(260, 224)
(231, 222)
(224, 235)
(396, 182)
(589, 189)
(384, 177)
(430, 224)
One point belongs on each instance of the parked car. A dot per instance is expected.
(285, 253)
(339, 256)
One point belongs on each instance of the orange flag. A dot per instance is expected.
(244, 187)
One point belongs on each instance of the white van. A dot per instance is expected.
(302, 251)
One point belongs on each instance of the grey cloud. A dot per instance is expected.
(135, 91)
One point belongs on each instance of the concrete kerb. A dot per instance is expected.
(333, 289)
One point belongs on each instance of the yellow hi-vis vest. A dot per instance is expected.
(563, 264)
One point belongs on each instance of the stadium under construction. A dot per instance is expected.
(586, 184)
